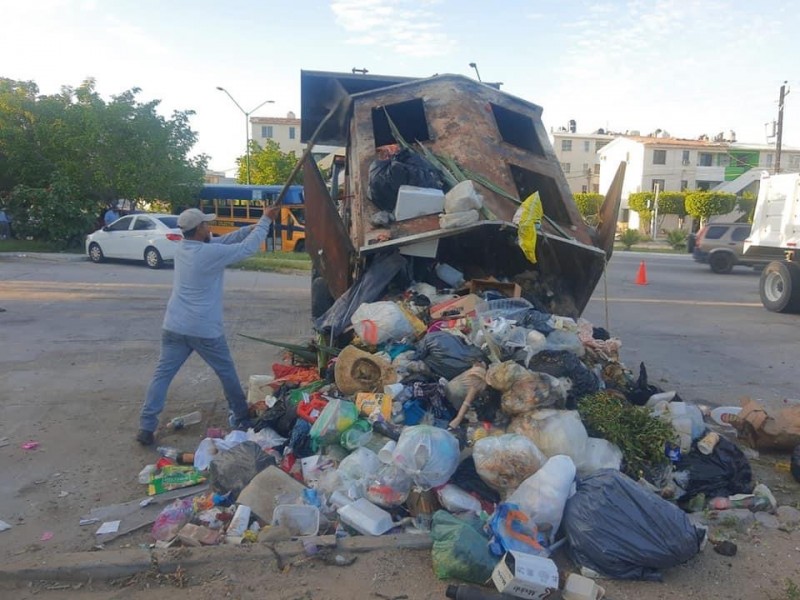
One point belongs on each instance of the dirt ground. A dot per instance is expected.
(78, 345)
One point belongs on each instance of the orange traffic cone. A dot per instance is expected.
(641, 276)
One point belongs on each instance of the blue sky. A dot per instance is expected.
(685, 66)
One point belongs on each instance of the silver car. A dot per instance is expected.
(152, 238)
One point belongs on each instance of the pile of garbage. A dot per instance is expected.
(502, 432)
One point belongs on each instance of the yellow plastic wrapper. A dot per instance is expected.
(531, 214)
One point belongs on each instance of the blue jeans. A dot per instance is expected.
(175, 349)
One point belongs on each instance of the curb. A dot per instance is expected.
(114, 564)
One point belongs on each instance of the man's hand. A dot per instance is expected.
(272, 212)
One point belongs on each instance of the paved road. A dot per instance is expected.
(707, 335)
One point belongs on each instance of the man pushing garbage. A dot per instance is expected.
(193, 320)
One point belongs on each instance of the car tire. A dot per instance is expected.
(321, 299)
(779, 287)
(96, 253)
(722, 262)
(152, 258)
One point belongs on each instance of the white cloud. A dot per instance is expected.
(404, 26)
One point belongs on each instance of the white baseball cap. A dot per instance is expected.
(192, 217)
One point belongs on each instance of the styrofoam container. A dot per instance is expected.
(365, 517)
(415, 202)
(300, 519)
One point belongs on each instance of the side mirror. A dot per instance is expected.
(106, 228)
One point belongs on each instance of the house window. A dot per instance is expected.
(586, 145)
(291, 133)
(585, 168)
(566, 145)
(684, 184)
(704, 159)
(796, 162)
(659, 183)
(769, 160)
(266, 131)
(596, 188)
(583, 189)
(598, 145)
(659, 157)
(685, 159)
(597, 169)
(566, 167)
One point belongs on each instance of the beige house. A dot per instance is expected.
(285, 131)
(577, 153)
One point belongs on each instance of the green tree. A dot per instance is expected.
(589, 206)
(703, 204)
(92, 151)
(268, 165)
(642, 202)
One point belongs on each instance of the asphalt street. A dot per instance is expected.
(705, 335)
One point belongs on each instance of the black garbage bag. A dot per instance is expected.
(724, 472)
(405, 168)
(641, 392)
(619, 529)
(369, 288)
(447, 355)
(232, 470)
(466, 477)
(563, 363)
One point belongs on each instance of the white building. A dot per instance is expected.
(285, 131)
(577, 153)
(678, 164)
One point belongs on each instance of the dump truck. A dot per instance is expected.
(774, 237)
(476, 129)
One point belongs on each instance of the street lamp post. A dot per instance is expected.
(475, 66)
(246, 125)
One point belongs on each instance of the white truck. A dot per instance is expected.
(775, 236)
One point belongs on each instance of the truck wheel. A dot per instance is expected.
(779, 287)
(321, 299)
(721, 262)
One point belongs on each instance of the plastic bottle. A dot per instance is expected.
(471, 592)
(168, 452)
(754, 503)
(193, 418)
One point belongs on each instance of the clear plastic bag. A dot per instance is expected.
(337, 417)
(599, 454)
(565, 340)
(380, 322)
(505, 461)
(170, 521)
(389, 487)
(543, 495)
(524, 390)
(429, 455)
(554, 432)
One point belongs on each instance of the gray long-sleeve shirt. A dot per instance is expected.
(195, 306)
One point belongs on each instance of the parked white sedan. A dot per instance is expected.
(152, 238)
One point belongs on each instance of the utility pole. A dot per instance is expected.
(589, 180)
(779, 138)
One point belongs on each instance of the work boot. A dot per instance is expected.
(145, 438)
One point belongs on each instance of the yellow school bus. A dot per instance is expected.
(238, 205)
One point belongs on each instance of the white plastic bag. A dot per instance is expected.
(266, 438)
(428, 454)
(554, 432)
(505, 461)
(543, 495)
(389, 487)
(599, 454)
(459, 219)
(204, 453)
(356, 471)
(379, 322)
(461, 197)
(559, 340)
(456, 500)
